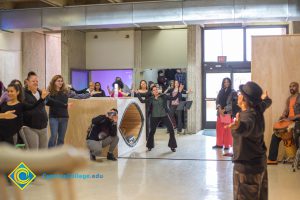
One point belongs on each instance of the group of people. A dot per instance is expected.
(23, 112)
(25, 107)
(240, 124)
(102, 131)
(27, 113)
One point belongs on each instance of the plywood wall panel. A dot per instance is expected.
(275, 63)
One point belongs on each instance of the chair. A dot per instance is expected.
(60, 160)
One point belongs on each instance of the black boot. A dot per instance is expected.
(110, 156)
(92, 157)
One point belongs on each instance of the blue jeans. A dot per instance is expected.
(58, 128)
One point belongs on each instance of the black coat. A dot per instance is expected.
(149, 101)
(36, 118)
(101, 128)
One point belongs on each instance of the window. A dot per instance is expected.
(80, 79)
(240, 78)
(260, 31)
(223, 42)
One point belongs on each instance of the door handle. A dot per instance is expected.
(210, 99)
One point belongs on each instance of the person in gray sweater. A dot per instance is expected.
(250, 176)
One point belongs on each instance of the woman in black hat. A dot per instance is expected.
(250, 176)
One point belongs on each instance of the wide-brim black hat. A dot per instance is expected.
(252, 91)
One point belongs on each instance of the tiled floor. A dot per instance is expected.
(194, 172)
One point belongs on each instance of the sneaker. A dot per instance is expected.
(110, 156)
(173, 149)
(226, 148)
(217, 147)
(92, 157)
(228, 154)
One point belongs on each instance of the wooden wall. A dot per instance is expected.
(275, 63)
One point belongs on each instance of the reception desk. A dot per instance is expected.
(131, 122)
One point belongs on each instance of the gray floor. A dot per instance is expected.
(194, 172)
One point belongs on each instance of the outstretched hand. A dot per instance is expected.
(70, 105)
(236, 123)
(44, 93)
(264, 95)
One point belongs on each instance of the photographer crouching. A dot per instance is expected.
(101, 133)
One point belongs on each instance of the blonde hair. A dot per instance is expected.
(52, 88)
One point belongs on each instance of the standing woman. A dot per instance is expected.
(224, 106)
(159, 112)
(58, 110)
(35, 120)
(145, 94)
(98, 92)
(176, 116)
(10, 127)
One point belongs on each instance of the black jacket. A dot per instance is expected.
(58, 105)
(149, 101)
(101, 128)
(36, 118)
(249, 149)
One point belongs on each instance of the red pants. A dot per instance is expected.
(224, 137)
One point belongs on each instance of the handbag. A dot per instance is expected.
(225, 119)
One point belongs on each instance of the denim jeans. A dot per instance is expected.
(58, 128)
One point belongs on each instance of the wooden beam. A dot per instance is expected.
(56, 3)
(6, 6)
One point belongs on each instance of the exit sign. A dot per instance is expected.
(222, 59)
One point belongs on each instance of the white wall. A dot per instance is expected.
(150, 75)
(34, 56)
(10, 57)
(164, 48)
(111, 50)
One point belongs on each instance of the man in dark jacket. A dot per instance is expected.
(103, 132)
(35, 121)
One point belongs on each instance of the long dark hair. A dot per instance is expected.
(19, 89)
(99, 88)
(18, 82)
(120, 84)
(2, 88)
(224, 93)
(223, 83)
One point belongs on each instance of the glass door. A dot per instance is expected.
(213, 82)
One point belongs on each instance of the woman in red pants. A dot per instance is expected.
(224, 105)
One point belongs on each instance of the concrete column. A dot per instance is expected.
(34, 56)
(194, 80)
(73, 52)
(294, 27)
(137, 58)
(53, 56)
